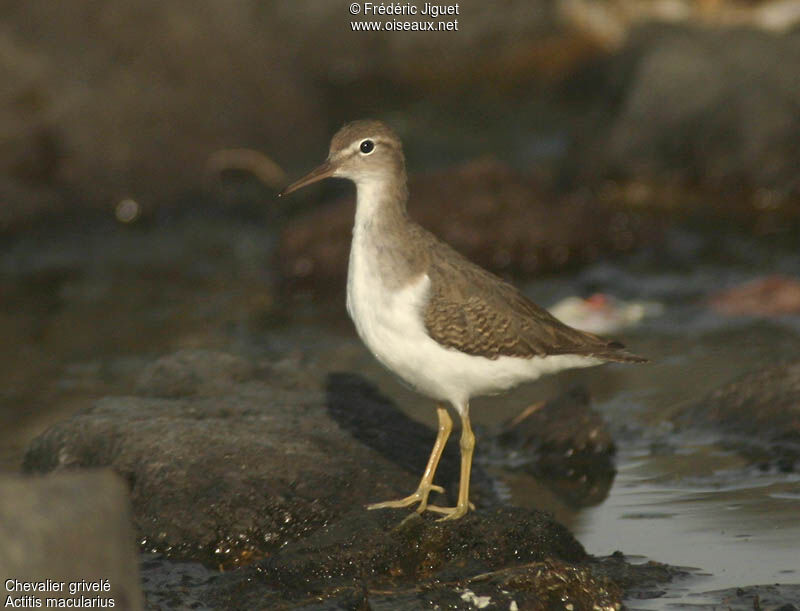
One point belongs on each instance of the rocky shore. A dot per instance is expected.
(237, 466)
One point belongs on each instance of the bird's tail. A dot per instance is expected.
(616, 352)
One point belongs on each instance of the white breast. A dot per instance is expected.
(391, 325)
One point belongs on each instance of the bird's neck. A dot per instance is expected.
(381, 203)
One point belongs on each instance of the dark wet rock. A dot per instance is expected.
(772, 597)
(639, 580)
(548, 584)
(372, 561)
(193, 372)
(691, 108)
(362, 573)
(229, 477)
(758, 413)
(170, 584)
(563, 442)
(232, 475)
(68, 528)
(495, 216)
(775, 295)
(362, 547)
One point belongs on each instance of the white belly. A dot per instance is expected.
(391, 325)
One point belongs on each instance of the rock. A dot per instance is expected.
(774, 295)
(373, 547)
(134, 116)
(170, 584)
(639, 580)
(233, 476)
(497, 217)
(193, 372)
(29, 149)
(137, 113)
(371, 561)
(266, 473)
(358, 408)
(564, 443)
(354, 571)
(696, 107)
(777, 597)
(490, 49)
(758, 413)
(68, 528)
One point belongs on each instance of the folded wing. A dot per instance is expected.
(481, 315)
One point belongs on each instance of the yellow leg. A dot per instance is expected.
(467, 448)
(426, 483)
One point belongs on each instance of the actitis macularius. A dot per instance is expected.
(444, 325)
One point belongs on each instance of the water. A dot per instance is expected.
(83, 310)
(679, 497)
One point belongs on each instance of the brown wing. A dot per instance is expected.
(477, 313)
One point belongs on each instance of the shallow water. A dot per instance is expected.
(680, 498)
(83, 310)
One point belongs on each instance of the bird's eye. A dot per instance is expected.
(367, 146)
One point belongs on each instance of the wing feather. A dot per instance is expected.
(477, 313)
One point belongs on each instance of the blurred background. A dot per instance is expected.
(649, 149)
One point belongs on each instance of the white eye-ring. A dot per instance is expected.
(366, 147)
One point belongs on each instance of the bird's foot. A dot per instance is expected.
(452, 513)
(419, 496)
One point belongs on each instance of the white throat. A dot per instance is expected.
(371, 191)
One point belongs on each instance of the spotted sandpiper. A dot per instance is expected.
(447, 327)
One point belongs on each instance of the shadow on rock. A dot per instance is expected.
(372, 419)
(564, 443)
(375, 421)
